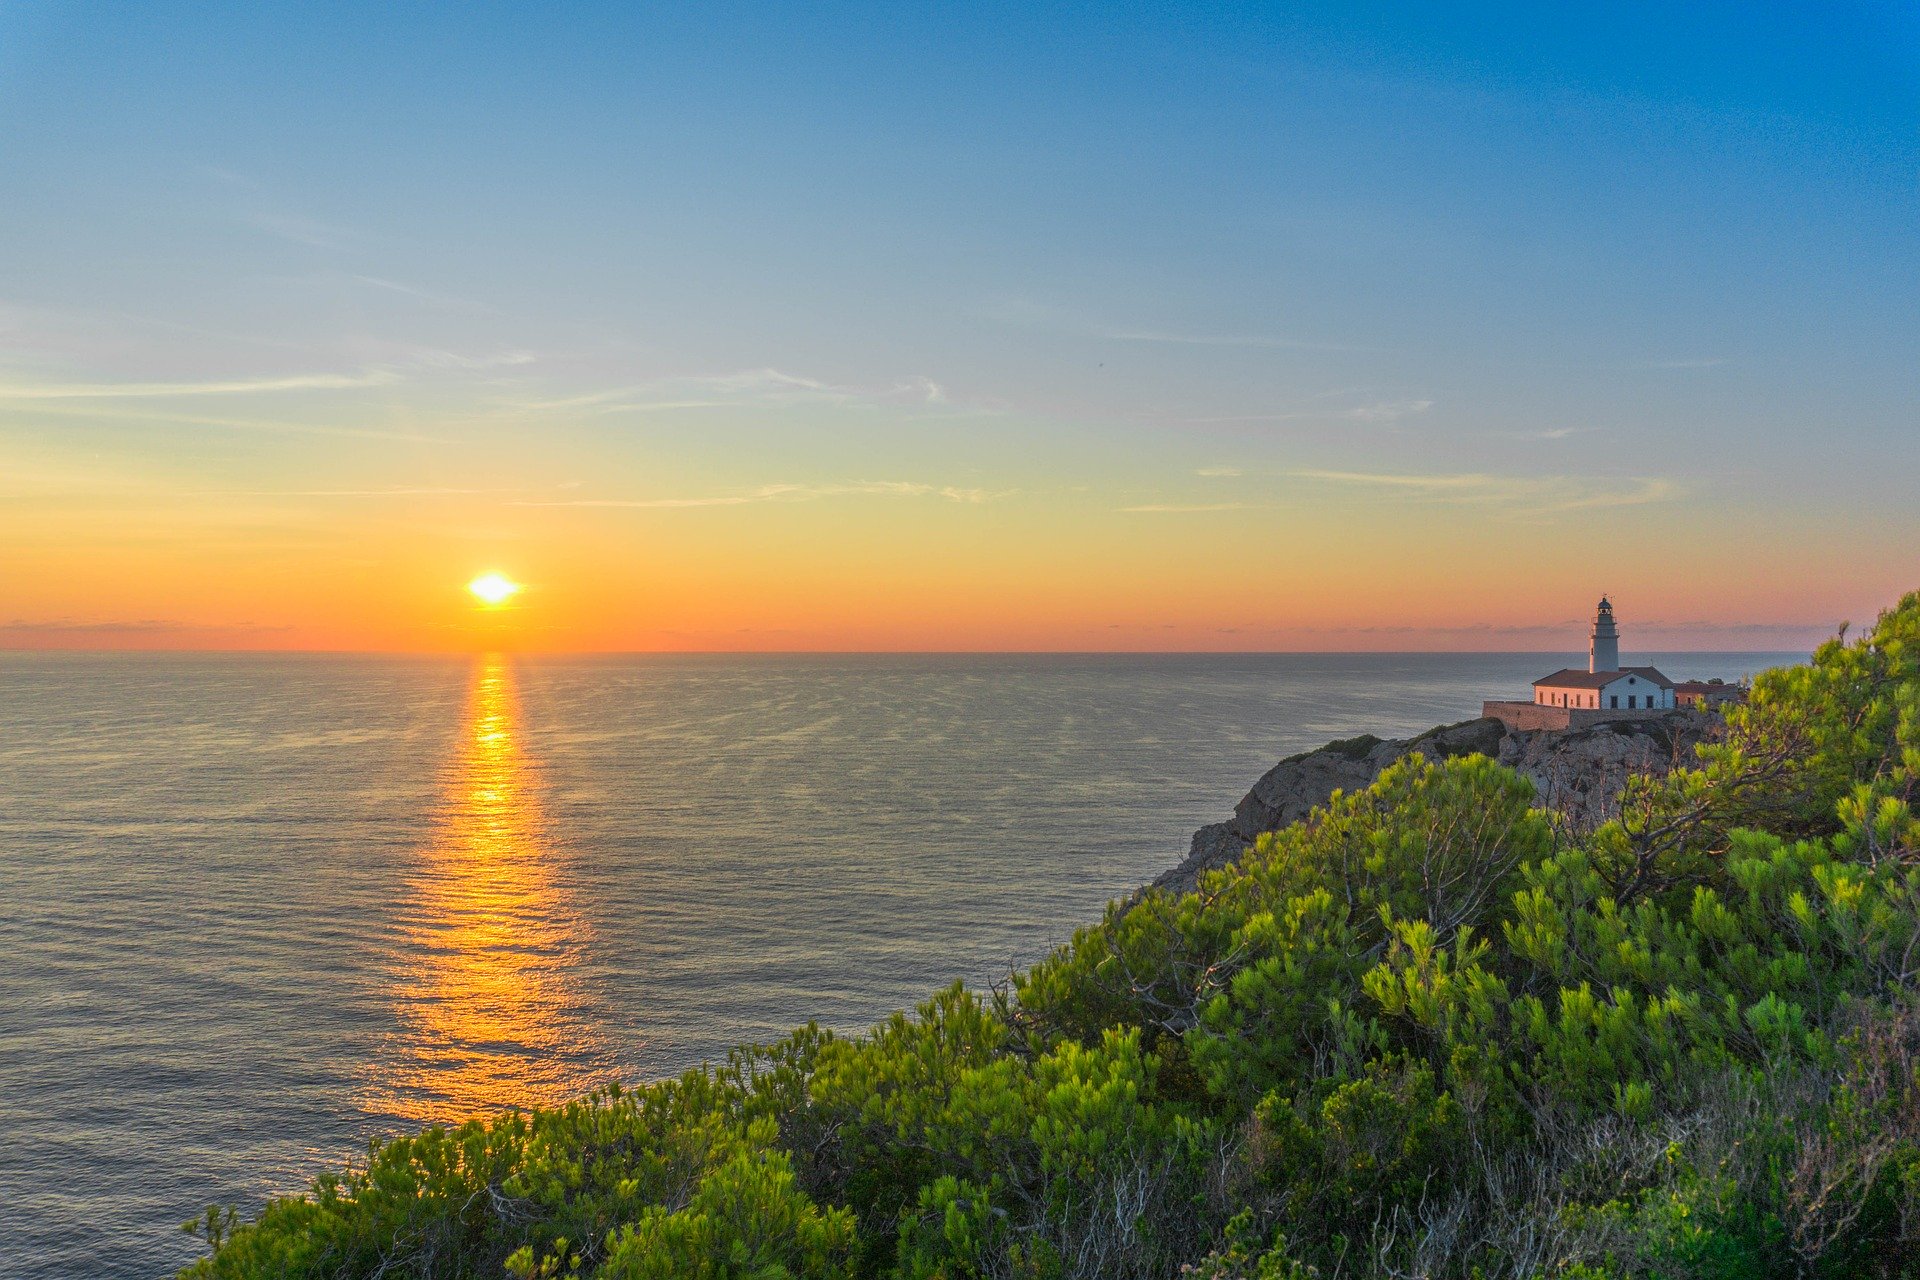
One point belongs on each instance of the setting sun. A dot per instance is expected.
(494, 588)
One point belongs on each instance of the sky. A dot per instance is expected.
(1025, 327)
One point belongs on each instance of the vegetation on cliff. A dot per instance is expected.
(1427, 1032)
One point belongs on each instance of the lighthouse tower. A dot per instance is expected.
(1603, 647)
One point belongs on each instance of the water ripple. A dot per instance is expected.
(258, 909)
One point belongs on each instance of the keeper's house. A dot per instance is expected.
(1604, 691)
(1630, 689)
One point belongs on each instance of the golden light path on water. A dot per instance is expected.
(486, 979)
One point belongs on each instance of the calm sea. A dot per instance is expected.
(255, 910)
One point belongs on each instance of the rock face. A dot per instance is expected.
(1579, 772)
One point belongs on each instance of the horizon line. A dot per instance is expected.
(96, 650)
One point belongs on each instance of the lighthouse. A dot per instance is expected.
(1603, 646)
(1606, 690)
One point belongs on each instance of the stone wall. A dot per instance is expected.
(1525, 717)
(1528, 717)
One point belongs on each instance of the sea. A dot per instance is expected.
(258, 910)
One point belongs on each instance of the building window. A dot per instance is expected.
(1632, 701)
(1616, 701)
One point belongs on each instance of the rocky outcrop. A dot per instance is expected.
(1578, 772)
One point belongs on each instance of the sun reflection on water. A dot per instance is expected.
(486, 981)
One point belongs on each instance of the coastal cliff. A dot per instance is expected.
(1576, 772)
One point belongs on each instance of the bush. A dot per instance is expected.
(1425, 1032)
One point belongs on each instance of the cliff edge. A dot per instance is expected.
(1578, 772)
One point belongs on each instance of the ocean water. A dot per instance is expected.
(255, 910)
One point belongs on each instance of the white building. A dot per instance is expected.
(1605, 685)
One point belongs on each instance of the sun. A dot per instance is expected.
(494, 588)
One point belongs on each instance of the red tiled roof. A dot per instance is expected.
(1574, 678)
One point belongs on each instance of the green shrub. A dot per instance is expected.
(1425, 1032)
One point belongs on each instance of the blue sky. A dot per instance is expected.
(1492, 281)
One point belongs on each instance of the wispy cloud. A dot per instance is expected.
(297, 228)
(1385, 410)
(431, 296)
(1567, 631)
(1259, 341)
(1711, 362)
(220, 387)
(338, 283)
(259, 210)
(266, 426)
(742, 388)
(1547, 433)
(783, 493)
(74, 337)
(1641, 492)
(426, 491)
(438, 358)
(69, 626)
(1178, 508)
(1526, 495)
(131, 626)
(621, 400)
(1372, 411)
(1214, 473)
(1025, 313)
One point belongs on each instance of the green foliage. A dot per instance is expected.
(745, 1221)
(1426, 1032)
(1812, 751)
(1349, 1147)
(1257, 971)
(1242, 1256)
(544, 1191)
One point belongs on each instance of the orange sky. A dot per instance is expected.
(1203, 331)
(1282, 564)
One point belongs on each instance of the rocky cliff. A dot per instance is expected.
(1579, 772)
